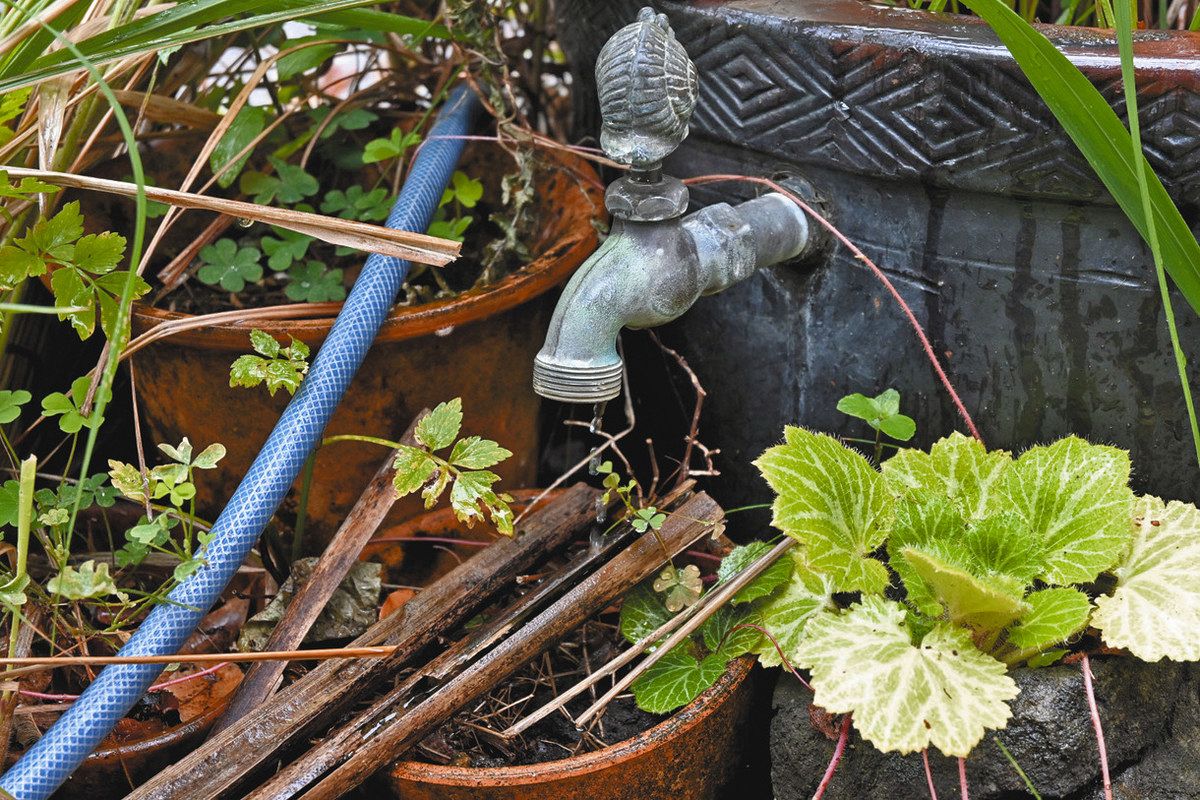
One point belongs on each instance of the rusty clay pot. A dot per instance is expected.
(126, 758)
(689, 756)
(478, 346)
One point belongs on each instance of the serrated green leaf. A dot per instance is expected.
(440, 427)
(786, 614)
(413, 468)
(1155, 610)
(1075, 497)
(470, 491)
(642, 613)
(985, 604)
(729, 632)
(16, 265)
(675, 680)
(99, 253)
(10, 503)
(264, 343)
(905, 697)
(475, 452)
(956, 467)
(88, 581)
(768, 580)
(1054, 616)
(1003, 543)
(128, 480)
(830, 499)
(923, 521)
(248, 371)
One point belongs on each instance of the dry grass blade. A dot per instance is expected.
(157, 108)
(416, 247)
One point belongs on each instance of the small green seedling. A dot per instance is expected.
(462, 193)
(276, 366)
(465, 470)
(394, 146)
(231, 267)
(882, 413)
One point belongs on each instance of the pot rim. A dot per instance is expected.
(570, 238)
(681, 723)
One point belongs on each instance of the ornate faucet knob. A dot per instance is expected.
(648, 88)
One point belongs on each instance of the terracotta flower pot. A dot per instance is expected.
(688, 756)
(479, 345)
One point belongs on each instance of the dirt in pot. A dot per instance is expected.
(469, 739)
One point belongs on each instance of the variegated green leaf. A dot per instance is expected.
(957, 467)
(1155, 611)
(675, 680)
(830, 499)
(921, 520)
(1075, 498)
(767, 581)
(1003, 543)
(905, 697)
(1054, 616)
(785, 614)
(440, 427)
(986, 604)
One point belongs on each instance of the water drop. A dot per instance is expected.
(244, 222)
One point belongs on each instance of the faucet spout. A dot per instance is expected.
(649, 273)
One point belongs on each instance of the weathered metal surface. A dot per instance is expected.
(934, 154)
(478, 346)
(689, 756)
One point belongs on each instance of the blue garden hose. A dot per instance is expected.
(56, 755)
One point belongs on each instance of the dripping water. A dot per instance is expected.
(595, 427)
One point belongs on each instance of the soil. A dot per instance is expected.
(464, 741)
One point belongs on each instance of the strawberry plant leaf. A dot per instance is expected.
(414, 467)
(100, 253)
(830, 499)
(1075, 497)
(475, 452)
(440, 427)
(264, 343)
(904, 696)
(1155, 610)
(957, 467)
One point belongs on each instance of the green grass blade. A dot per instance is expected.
(1101, 137)
(196, 20)
(1017, 767)
(1124, 13)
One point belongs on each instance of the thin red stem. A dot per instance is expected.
(158, 687)
(786, 663)
(1096, 726)
(962, 779)
(431, 540)
(879, 275)
(929, 775)
(838, 750)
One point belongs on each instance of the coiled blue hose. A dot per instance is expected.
(56, 755)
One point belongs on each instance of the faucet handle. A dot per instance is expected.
(648, 89)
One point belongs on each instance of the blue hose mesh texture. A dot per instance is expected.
(56, 755)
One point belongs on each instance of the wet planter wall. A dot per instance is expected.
(478, 345)
(930, 149)
(1151, 718)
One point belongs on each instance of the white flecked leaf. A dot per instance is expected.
(905, 697)
(1155, 610)
(830, 499)
(1075, 497)
(956, 467)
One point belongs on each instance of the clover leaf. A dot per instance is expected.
(11, 402)
(881, 412)
(355, 203)
(290, 247)
(228, 266)
(394, 146)
(69, 406)
(313, 282)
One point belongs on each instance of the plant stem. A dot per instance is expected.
(838, 750)
(928, 775)
(306, 480)
(355, 437)
(1086, 666)
(1028, 783)
(24, 524)
(962, 779)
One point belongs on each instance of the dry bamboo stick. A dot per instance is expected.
(255, 743)
(416, 247)
(339, 556)
(317, 654)
(381, 739)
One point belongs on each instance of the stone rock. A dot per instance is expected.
(1150, 714)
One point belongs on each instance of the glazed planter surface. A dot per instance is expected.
(478, 345)
(1150, 714)
(928, 147)
(692, 755)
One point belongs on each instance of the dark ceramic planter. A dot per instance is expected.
(1150, 714)
(930, 149)
(478, 346)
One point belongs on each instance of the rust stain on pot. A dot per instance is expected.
(689, 756)
(478, 345)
